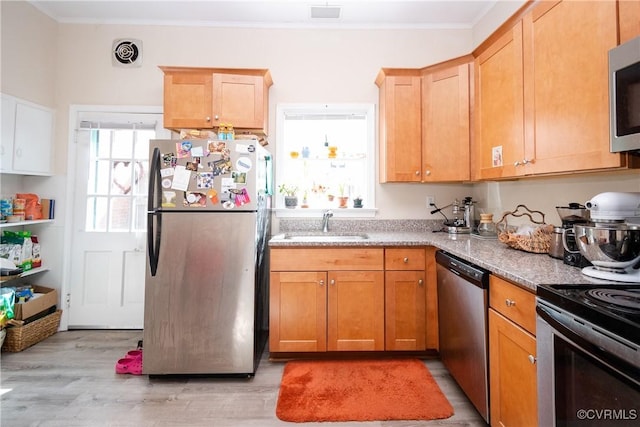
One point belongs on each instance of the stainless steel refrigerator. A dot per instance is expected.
(206, 289)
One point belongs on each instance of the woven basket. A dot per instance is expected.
(539, 241)
(20, 337)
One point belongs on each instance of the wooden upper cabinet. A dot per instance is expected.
(400, 125)
(240, 100)
(628, 19)
(566, 86)
(445, 123)
(203, 98)
(499, 119)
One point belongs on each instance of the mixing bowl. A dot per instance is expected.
(609, 246)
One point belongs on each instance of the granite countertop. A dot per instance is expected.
(526, 269)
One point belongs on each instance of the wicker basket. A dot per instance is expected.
(20, 337)
(539, 241)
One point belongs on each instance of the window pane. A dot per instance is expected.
(102, 143)
(142, 143)
(96, 214)
(98, 177)
(120, 214)
(141, 178)
(139, 214)
(122, 144)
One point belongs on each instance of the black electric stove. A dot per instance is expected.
(614, 308)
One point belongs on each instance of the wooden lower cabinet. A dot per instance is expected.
(355, 311)
(329, 310)
(512, 356)
(405, 310)
(405, 299)
(326, 311)
(298, 311)
(351, 299)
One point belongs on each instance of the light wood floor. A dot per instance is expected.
(69, 380)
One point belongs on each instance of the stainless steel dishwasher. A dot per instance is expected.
(462, 320)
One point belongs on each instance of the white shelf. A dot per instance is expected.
(4, 279)
(23, 223)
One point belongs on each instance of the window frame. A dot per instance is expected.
(281, 158)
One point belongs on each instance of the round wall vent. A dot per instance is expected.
(127, 53)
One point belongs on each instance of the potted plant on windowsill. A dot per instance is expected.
(290, 195)
(342, 199)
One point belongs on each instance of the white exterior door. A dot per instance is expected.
(109, 219)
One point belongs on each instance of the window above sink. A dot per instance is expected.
(326, 151)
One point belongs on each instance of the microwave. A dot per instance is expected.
(624, 97)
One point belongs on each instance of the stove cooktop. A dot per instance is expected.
(615, 308)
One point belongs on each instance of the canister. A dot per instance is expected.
(556, 250)
(6, 207)
(19, 207)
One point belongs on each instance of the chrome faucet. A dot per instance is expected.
(325, 220)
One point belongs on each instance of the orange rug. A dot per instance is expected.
(360, 390)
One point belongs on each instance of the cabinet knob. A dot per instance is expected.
(19, 152)
(427, 172)
(420, 282)
(217, 117)
(321, 282)
(532, 359)
(332, 282)
(405, 260)
(516, 164)
(208, 119)
(417, 173)
(509, 302)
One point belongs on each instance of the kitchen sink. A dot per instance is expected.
(325, 237)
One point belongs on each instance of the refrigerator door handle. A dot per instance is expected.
(154, 200)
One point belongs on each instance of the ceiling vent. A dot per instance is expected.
(126, 53)
(325, 12)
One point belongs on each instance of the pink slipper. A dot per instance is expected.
(134, 354)
(129, 365)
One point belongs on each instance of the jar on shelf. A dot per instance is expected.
(486, 226)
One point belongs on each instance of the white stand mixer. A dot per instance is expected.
(612, 242)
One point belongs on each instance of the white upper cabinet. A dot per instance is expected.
(27, 137)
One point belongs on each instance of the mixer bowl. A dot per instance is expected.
(609, 247)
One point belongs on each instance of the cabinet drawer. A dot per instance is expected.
(513, 302)
(308, 259)
(404, 259)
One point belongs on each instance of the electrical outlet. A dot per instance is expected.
(431, 202)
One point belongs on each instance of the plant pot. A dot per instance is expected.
(343, 202)
(357, 203)
(290, 202)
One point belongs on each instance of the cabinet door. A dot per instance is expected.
(188, 100)
(400, 129)
(239, 100)
(445, 125)
(499, 122)
(512, 372)
(355, 316)
(298, 311)
(32, 140)
(405, 310)
(8, 133)
(628, 19)
(566, 85)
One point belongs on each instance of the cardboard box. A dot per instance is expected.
(36, 305)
